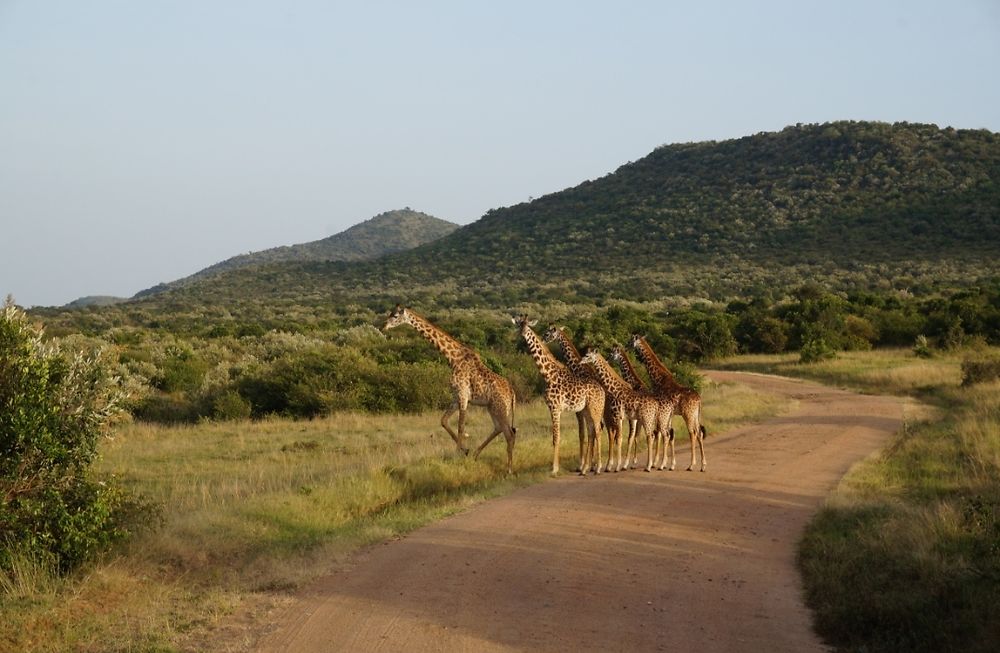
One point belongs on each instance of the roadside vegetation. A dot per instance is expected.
(249, 509)
(905, 556)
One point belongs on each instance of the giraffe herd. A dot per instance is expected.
(585, 384)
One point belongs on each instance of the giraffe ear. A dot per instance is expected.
(513, 320)
(532, 323)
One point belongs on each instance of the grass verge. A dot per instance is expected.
(905, 556)
(252, 510)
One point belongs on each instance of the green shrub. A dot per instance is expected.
(687, 374)
(816, 350)
(922, 347)
(54, 408)
(230, 405)
(164, 408)
(980, 370)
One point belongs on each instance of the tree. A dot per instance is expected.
(54, 408)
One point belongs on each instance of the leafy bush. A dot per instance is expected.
(816, 350)
(230, 405)
(54, 408)
(687, 374)
(922, 347)
(980, 370)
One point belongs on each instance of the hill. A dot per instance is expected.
(386, 233)
(855, 205)
(95, 300)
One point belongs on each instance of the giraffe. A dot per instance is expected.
(641, 408)
(471, 382)
(628, 370)
(664, 441)
(566, 391)
(614, 411)
(688, 401)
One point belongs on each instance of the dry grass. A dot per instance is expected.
(884, 371)
(253, 509)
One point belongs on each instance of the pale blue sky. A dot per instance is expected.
(142, 140)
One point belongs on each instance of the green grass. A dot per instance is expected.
(905, 556)
(252, 510)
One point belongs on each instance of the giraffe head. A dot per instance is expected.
(522, 323)
(636, 339)
(590, 356)
(551, 333)
(617, 353)
(399, 315)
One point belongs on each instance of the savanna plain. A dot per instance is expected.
(904, 554)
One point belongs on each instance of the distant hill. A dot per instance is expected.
(861, 205)
(95, 300)
(386, 233)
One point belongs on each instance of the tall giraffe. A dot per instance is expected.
(664, 441)
(614, 410)
(566, 391)
(688, 401)
(471, 382)
(641, 408)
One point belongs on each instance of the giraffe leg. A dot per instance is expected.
(618, 448)
(650, 438)
(555, 441)
(700, 430)
(693, 434)
(586, 448)
(444, 422)
(582, 425)
(595, 442)
(614, 438)
(673, 457)
(623, 462)
(489, 438)
(463, 409)
(511, 437)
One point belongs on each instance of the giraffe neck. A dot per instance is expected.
(452, 349)
(546, 362)
(628, 371)
(658, 373)
(609, 378)
(573, 359)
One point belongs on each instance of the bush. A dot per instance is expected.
(688, 375)
(230, 405)
(816, 350)
(922, 347)
(54, 409)
(980, 370)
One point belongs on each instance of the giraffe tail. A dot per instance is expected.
(513, 404)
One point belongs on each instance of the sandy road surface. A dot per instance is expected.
(631, 561)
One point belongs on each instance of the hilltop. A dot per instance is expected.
(386, 233)
(854, 205)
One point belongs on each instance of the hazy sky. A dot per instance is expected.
(141, 141)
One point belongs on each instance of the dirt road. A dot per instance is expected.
(631, 561)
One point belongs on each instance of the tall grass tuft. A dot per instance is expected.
(28, 575)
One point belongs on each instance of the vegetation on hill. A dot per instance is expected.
(855, 205)
(95, 300)
(386, 233)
